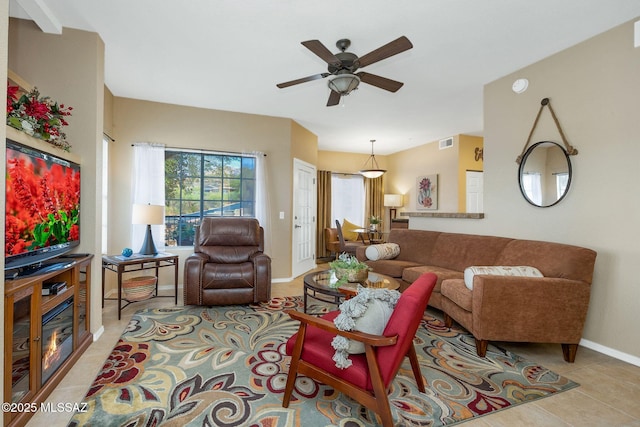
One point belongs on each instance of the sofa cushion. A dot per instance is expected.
(391, 267)
(458, 251)
(382, 251)
(498, 270)
(411, 274)
(552, 259)
(347, 230)
(456, 291)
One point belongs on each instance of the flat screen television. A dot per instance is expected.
(42, 213)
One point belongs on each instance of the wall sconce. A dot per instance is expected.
(151, 215)
(392, 201)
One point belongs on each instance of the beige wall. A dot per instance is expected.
(304, 144)
(187, 127)
(594, 91)
(69, 68)
(337, 161)
(108, 112)
(468, 160)
(406, 166)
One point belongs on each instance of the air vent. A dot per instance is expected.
(446, 143)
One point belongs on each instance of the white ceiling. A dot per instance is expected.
(229, 55)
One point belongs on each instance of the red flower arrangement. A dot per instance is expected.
(40, 117)
(42, 204)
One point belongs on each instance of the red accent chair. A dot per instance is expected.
(368, 379)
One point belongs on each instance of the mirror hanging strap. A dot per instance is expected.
(546, 102)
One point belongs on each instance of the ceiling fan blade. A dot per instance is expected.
(381, 82)
(334, 99)
(392, 48)
(322, 52)
(303, 80)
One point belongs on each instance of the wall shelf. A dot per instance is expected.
(462, 215)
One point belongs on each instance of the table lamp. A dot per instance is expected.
(151, 215)
(392, 201)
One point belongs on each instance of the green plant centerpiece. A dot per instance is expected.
(348, 269)
(374, 223)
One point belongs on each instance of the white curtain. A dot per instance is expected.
(263, 207)
(148, 188)
(532, 183)
(347, 198)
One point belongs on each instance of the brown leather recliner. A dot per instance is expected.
(228, 265)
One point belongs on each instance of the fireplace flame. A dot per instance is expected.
(53, 354)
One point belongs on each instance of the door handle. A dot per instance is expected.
(297, 226)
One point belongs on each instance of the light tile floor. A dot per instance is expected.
(608, 394)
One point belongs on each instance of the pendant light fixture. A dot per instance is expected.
(374, 171)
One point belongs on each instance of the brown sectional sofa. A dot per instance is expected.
(549, 309)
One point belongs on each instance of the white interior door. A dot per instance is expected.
(304, 217)
(475, 191)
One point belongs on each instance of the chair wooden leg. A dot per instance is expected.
(293, 366)
(481, 347)
(380, 392)
(569, 352)
(415, 366)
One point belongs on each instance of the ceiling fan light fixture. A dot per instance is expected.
(374, 171)
(344, 83)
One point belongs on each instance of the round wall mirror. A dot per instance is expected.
(545, 174)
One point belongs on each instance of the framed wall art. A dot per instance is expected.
(427, 192)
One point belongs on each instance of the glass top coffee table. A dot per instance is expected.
(317, 285)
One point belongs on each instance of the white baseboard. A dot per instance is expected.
(97, 334)
(634, 360)
(282, 280)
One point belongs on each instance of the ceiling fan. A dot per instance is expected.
(343, 65)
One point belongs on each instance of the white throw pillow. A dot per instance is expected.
(521, 271)
(382, 251)
(369, 311)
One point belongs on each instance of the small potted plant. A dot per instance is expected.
(374, 222)
(348, 269)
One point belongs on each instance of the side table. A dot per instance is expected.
(120, 264)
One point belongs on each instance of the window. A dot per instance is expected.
(562, 180)
(205, 184)
(347, 198)
(532, 186)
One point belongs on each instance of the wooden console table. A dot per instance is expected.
(28, 379)
(120, 264)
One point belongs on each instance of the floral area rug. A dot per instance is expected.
(226, 366)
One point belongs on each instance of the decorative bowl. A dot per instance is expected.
(352, 275)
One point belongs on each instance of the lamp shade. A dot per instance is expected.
(372, 173)
(393, 200)
(147, 214)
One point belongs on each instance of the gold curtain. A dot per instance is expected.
(374, 197)
(324, 212)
